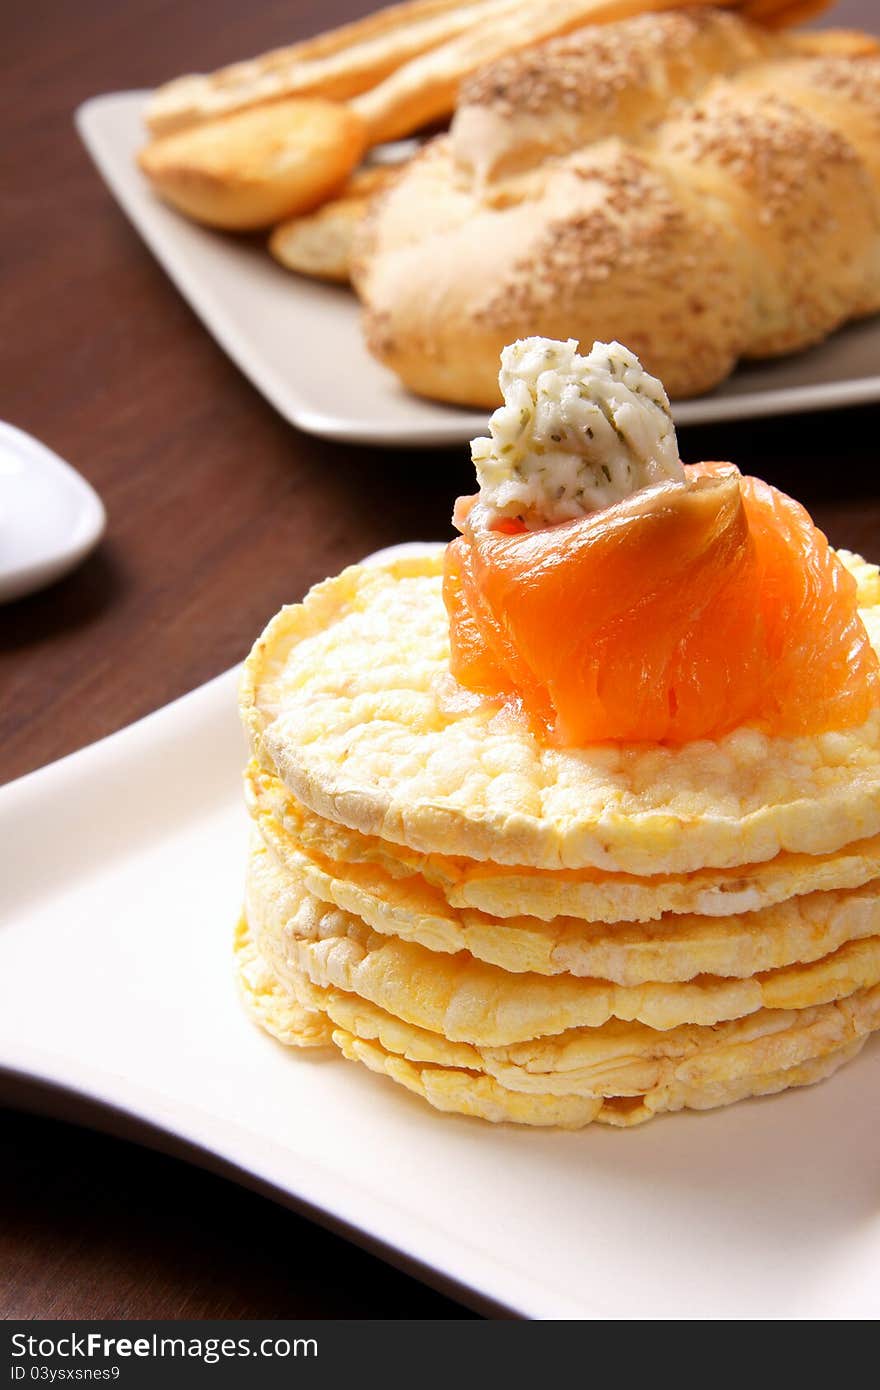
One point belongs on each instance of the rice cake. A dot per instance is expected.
(348, 697)
(466, 1000)
(616, 1059)
(675, 948)
(594, 896)
(463, 1093)
(478, 1083)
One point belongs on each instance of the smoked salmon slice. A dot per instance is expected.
(682, 613)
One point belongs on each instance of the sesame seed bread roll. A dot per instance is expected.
(622, 80)
(352, 59)
(837, 87)
(687, 183)
(582, 256)
(803, 203)
(426, 89)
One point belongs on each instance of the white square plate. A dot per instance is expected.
(122, 871)
(300, 343)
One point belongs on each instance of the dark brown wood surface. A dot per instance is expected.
(218, 513)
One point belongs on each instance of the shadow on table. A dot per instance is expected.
(73, 602)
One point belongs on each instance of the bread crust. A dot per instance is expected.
(741, 221)
(251, 169)
(426, 89)
(337, 64)
(318, 244)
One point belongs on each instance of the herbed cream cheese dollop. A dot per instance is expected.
(575, 434)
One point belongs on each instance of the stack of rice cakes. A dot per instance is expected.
(538, 935)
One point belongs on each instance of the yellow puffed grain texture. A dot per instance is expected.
(676, 948)
(466, 1094)
(504, 892)
(623, 1114)
(270, 1003)
(348, 697)
(467, 1000)
(620, 1059)
(590, 894)
(367, 1021)
(867, 577)
(627, 1059)
(632, 1069)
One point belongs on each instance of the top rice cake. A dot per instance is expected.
(348, 698)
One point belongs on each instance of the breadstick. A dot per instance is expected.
(838, 43)
(337, 65)
(319, 244)
(425, 89)
(250, 169)
(380, 21)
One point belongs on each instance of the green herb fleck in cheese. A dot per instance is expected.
(574, 434)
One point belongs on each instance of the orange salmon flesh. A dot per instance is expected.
(710, 605)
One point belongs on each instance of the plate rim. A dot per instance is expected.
(35, 1072)
(462, 423)
(327, 1196)
(24, 1088)
(369, 1215)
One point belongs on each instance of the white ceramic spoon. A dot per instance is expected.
(50, 517)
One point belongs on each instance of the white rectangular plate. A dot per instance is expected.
(122, 873)
(300, 341)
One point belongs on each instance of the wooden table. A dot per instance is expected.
(218, 513)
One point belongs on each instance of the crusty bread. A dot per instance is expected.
(708, 191)
(241, 147)
(249, 170)
(337, 64)
(425, 89)
(319, 243)
(622, 80)
(354, 58)
(839, 43)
